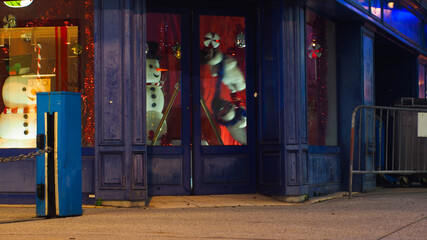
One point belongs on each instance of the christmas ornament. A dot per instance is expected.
(314, 51)
(77, 49)
(211, 40)
(240, 40)
(9, 21)
(26, 36)
(177, 50)
(18, 4)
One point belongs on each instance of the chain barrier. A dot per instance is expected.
(31, 155)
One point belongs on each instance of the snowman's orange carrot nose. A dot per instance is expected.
(161, 69)
(33, 91)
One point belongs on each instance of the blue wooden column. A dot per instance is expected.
(120, 147)
(355, 45)
(283, 143)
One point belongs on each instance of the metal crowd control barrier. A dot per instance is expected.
(388, 140)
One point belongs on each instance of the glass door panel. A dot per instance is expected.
(196, 103)
(222, 80)
(163, 99)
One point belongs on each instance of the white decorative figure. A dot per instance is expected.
(230, 114)
(155, 99)
(18, 121)
(232, 117)
(232, 76)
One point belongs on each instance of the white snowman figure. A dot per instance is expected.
(18, 121)
(230, 114)
(155, 99)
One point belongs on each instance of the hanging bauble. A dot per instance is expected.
(77, 49)
(240, 40)
(314, 50)
(177, 50)
(18, 4)
(211, 40)
(9, 21)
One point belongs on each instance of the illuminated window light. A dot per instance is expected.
(18, 4)
(390, 5)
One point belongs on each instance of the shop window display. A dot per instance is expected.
(321, 80)
(163, 79)
(222, 80)
(45, 46)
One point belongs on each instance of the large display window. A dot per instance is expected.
(45, 45)
(163, 79)
(222, 80)
(321, 80)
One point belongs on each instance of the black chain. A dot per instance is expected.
(25, 156)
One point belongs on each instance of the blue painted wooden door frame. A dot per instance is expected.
(120, 147)
(212, 169)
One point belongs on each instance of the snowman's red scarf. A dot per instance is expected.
(8, 110)
(160, 84)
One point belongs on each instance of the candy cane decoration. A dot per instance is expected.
(38, 48)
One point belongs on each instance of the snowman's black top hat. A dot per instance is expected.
(152, 50)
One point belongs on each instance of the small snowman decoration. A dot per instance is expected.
(18, 121)
(155, 99)
(232, 114)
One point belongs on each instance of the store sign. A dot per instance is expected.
(18, 4)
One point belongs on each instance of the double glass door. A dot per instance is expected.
(199, 125)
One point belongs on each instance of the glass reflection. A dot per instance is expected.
(376, 8)
(421, 81)
(402, 20)
(368, 70)
(363, 3)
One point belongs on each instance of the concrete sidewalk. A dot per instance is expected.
(388, 213)
(233, 200)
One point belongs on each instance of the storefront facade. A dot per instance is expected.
(195, 97)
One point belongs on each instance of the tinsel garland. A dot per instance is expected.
(52, 12)
(88, 97)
